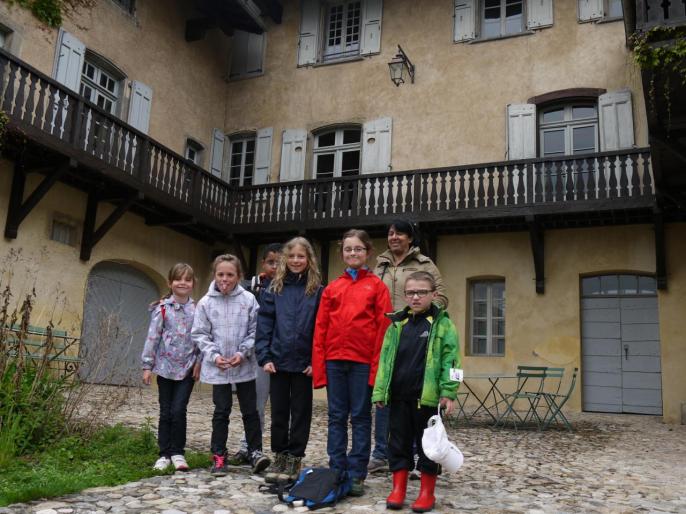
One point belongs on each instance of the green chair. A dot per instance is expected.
(530, 384)
(555, 402)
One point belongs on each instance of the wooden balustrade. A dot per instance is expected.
(652, 13)
(62, 120)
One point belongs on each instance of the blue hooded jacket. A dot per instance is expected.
(285, 325)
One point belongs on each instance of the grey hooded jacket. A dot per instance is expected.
(225, 325)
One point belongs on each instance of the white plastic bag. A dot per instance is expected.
(438, 448)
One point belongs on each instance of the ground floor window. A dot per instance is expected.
(487, 321)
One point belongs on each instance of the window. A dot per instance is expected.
(337, 152)
(63, 231)
(501, 18)
(332, 30)
(247, 52)
(568, 129)
(242, 168)
(618, 285)
(100, 85)
(487, 317)
(598, 10)
(194, 151)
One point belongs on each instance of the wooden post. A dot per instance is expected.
(16, 198)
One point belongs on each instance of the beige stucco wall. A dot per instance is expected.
(546, 329)
(56, 271)
(187, 79)
(455, 111)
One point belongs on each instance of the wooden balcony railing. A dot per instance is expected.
(652, 13)
(497, 189)
(59, 119)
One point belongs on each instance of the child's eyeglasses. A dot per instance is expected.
(420, 293)
(356, 249)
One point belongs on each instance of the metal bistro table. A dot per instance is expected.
(494, 394)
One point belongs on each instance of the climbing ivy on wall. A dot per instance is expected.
(51, 12)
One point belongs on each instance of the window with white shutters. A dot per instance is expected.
(493, 19)
(599, 10)
(242, 164)
(568, 129)
(333, 30)
(101, 84)
(501, 18)
(337, 152)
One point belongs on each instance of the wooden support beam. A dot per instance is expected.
(19, 208)
(660, 250)
(536, 237)
(91, 235)
(169, 221)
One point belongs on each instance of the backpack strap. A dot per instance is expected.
(163, 310)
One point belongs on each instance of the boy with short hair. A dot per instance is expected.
(257, 285)
(419, 349)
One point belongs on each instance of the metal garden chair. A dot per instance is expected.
(530, 384)
(555, 403)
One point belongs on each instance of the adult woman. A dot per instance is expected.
(402, 258)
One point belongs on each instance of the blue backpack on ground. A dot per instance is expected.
(319, 487)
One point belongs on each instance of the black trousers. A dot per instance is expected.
(290, 396)
(406, 424)
(247, 401)
(171, 430)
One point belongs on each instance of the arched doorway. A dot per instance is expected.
(620, 340)
(115, 323)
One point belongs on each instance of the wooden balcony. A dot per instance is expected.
(655, 13)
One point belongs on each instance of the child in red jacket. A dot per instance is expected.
(350, 326)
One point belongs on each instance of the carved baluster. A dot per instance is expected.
(591, 192)
(602, 180)
(569, 180)
(424, 202)
(623, 178)
(29, 113)
(407, 207)
(19, 100)
(538, 178)
(613, 177)
(480, 193)
(470, 189)
(500, 199)
(39, 118)
(452, 198)
(510, 194)
(635, 180)
(521, 191)
(559, 178)
(647, 175)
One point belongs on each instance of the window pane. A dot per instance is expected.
(327, 139)
(615, 9)
(498, 309)
(351, 163)
(554, 115)
(352, 37)
(590, 286)
(609, 284)
(513, 17)
(628, 284)
(480, 291)
(478, 345)
(583, 139)
(480, 327)
(351, 136)
(325, 165)
(554, 142)
(498, 327)
(499, 345)
(498, 289)
(583, 111)
(647, 285)
(480, 309)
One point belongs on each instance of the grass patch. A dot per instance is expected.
(111, 456)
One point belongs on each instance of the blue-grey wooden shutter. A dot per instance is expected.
(293, 152)
(616, 120)
(590, 10)
(539, 14)
(465, 20)
(309, 32)
(521, 131)
(217, 158)
(69, 63)
(247, 50)
(371, 27)
(139, 106)
(376, 145)
(263, 155)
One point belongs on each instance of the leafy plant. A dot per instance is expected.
(51, 12)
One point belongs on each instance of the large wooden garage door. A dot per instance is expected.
(621, 345)
(115, 323)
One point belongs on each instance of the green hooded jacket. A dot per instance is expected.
(443, 353)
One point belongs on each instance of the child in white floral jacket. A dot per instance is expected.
(172, 355)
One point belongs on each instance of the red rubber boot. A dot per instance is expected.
(396, 499)
(426, 499)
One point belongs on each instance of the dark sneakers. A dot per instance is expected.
(276, 469)
(240, 458)
(259, 461)
(218, 466)
(357, 488)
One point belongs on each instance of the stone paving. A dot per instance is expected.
(610, 463)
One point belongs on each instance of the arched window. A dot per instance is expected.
(101, 82)
(337, 151)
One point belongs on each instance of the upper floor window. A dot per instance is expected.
(100, 85)
(242, 166)
(332, 30)
(337, 152)
(487, 323)
(194, 151)
(597, 10)
(502, 17)
(568, 129)
(247, 54)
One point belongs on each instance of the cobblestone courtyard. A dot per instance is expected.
(610, 463)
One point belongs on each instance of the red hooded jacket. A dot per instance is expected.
(351, 323)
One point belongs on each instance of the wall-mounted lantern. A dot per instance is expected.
(400, 68)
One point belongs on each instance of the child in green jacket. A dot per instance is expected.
(419, 349)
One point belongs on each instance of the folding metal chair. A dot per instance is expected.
(555, 403)
(526, 376)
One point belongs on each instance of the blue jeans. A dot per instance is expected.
(349, 396)
(381, 433)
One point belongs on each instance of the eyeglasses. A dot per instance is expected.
(355, 249)
(420, 293)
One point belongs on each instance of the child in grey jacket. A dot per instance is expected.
(224, 330)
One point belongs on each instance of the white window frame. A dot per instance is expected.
(503, 22)
(242, 166)
(98, 91)
(64, 230)
(194, 151)
(603, 11)
(337, 149)
(491, 345)
(568, 124)
(341, 51)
